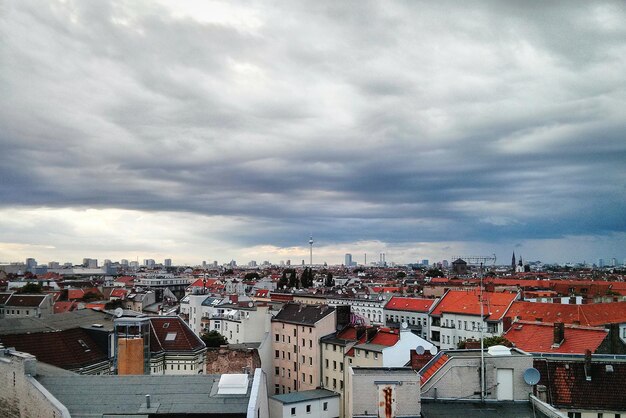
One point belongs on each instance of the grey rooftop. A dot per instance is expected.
(306, 395)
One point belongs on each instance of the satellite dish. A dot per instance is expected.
(367, 296)
(433, 350)
(420, 350)
(339, 292)
(250, 304)
(118, 312)
(531, 376)
(380, 297)
(404, 325)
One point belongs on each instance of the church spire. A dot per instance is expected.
(513, 263)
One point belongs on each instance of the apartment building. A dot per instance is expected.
(412, 311)
(15, 305)
(245, 322)
(456, 317)
(296, 333)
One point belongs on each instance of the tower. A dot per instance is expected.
(513, 263)
(311, 251)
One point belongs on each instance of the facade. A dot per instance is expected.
(296, 332)
(15, 305)
(241, 324)
(383, 392)
(452, 374)
(456, 317)
(138, 301)
(319, 403)
(412, 311)
(371, 308)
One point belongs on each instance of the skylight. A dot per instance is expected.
(171, 336)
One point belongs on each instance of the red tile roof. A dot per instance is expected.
(410, 304)
(4, 297)
(119, 293)
(125, 279)
(385, 337)
(172, 334)
(466, 302)
(200, 283)
(432, 369)
(348, 333)
(62, 348)
(537, 337)
(262, 293)
(568, 387)
(595, 314)
(60, 307)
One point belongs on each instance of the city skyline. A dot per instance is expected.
(216, 131)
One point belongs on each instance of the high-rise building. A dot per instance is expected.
(124, 262)
(601, 262)
(167, 262)
(348, 260)
(425, 263)
(149, 262)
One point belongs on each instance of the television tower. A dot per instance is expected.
(311, 251)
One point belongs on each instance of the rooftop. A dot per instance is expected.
(56, 322)
(466, 302)
(301, 314)
(538, 337)
(410, 304)
(88, 396)
(304, 396)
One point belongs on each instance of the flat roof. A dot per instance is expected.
(56, 322)
(88, 396)
(445, 409)
(307, 395)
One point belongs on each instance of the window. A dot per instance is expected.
(308, 409)
(310, 361)
(303, 359)
(310, 343)
(334, 383)
(341, 384)
(310, 330)
(276, 389)
(334, 365)
(326, 380)
(303, 378)
(276, 370)
(341, 365)
(326, 363)
(325, 406)
(334, 348)
(303, 342)
(278, 338)
(311, 379)
(358, 353)
(375, 356)
(367, 354)
(293, 411)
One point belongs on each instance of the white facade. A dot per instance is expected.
(394, 318)
(325, 407)
(454, 328)
(400, 354)
(370, 309)
(241, 325)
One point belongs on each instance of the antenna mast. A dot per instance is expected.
(311, 251)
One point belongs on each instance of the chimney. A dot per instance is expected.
(588, 365)
(559, 334)
(147, 401)
(370, 333)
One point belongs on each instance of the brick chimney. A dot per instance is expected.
(559, 334)
(419, 360)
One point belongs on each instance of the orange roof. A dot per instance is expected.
(385, 337)
(410, 304)
(538, 337)
(75, 294)
(200, 283)
(432, 369)
(587, 315)
(60, 307)
(348, 333)
(466, 302)
(125, 279)
(386, 289)
(119, 293)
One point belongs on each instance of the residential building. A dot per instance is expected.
(138, 301)
(296, 333)
(246, 322)
(412, 311)
(457, 316)
(370, 308)
(16, 305)
(319, 403)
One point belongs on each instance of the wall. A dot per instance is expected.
(21, 395)
(278, 410)
(400, 354)
(363, 392)
(258, 405)
(459, 377)
(225, 360)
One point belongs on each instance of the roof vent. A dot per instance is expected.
(233, 384)
(499, 350)
(609, 368)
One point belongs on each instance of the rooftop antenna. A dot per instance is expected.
(311, 251)
(482, 339)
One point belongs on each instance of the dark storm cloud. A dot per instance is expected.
(387, 121)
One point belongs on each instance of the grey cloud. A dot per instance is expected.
(362, 121)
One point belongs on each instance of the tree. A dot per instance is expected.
(89, 296)
(400, 275)
(214, 339)
(251, 276)
(113, 304)
(434, 273)
(293, 280)
(284, 281)
(329, 282)
(31, 288)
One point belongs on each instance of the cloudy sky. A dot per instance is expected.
(218, 130)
